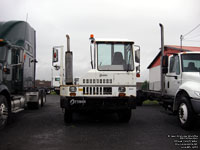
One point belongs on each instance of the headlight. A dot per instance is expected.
(122, 89)
(72, 89)
(197, 93)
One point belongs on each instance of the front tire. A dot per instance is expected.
(124, 115)
(4, 111)
(43, 101)
(67, 116)
(186, 115)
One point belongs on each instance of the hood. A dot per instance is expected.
(191, 76)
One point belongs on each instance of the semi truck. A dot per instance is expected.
(174, 81)
(109, 86)
(17, 70)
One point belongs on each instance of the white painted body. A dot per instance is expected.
(189, 81)
(96, 79)
(154, 78)
(175, 83)
(108, 79)
(56, 82)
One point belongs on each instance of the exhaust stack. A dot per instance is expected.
(162, 77)
(68, 43)
(68, 63)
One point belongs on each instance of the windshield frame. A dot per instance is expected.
(132, 68)
(182, 62)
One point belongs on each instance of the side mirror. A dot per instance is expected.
(55, 55)
(165, 61)
(165, 64)
(137, 56)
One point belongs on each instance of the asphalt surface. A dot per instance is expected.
(150, 128)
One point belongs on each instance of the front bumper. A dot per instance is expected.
(97, 103)
(196, 105)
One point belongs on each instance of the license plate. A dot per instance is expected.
(73, 102)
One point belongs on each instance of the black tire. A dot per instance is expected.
(186, 115)
(124, 115)
(30, 105)
(67, 116)
(139, 102)
(38, 104)
(140, 98)
(43, 100)
(4, 112)
(57, 92)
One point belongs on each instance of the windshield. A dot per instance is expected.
(2, 53)
(191, 62)
(114, 56)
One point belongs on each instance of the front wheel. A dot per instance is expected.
(4, 113)
(43, 101)
(68, 116)
(186, 114)
(124, 115)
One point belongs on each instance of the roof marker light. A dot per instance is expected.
(91, 36)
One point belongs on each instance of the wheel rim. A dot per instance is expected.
(183, 113)
(3, 114)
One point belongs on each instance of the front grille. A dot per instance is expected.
(97, 90)
(107, 91)
(94, 81)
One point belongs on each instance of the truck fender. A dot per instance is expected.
(177, 98)
(187, 88)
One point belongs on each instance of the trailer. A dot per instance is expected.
(174, 81)
(17, 70)
(109, 86)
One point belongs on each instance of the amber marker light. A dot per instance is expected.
(24, 56)
(91, 36)
(122, 94)
(72, 94)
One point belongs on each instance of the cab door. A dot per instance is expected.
(173, 77)
(13, 75)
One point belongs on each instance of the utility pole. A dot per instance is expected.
(181, 41)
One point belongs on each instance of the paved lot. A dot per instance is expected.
(150, 128)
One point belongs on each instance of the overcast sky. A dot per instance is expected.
(136, 20)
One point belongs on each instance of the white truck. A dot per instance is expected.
(109, 86)
(56, 84)
(175, 83)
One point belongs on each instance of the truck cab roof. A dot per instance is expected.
(102, 40)
(18, 33)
